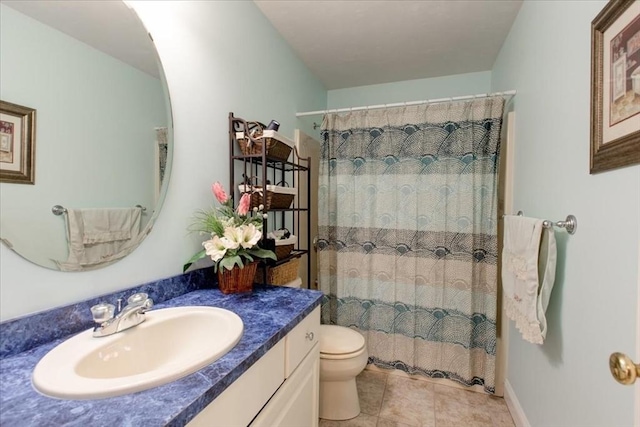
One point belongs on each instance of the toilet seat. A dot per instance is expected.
(339, 342)
(328, 356)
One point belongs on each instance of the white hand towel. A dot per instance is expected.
(110, 225)
(100, 236)
(528, 273)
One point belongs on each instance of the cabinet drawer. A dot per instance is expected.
(301, 340)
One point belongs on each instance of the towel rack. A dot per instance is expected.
(59, 210)
(570, 223)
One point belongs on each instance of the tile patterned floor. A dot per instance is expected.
(393, 401)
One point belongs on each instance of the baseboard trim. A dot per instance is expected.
(510, 398)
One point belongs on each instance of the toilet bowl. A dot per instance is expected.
(343, 356)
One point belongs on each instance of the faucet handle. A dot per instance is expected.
(138, 298)
(102, 312)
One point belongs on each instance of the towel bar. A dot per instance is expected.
(59, 210)
(570, 223)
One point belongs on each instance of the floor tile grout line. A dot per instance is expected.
(384, 391)
(435, 406)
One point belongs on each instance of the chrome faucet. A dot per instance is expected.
(131, 315)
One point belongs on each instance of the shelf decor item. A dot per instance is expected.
(280, 274)
(233, 244)
(285, 246)
(281, 242)
(278, 197)
(258, 136)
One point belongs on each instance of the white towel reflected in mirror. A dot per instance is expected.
(97, 237)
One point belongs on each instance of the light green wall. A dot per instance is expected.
(592, 311)
(411, 90)
(218, 57)
(95, 115)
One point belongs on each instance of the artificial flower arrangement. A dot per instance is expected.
(235, 233)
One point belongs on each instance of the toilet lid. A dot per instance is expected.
(339, 340)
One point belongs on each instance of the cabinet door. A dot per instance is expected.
(238, 404)
(296, 402)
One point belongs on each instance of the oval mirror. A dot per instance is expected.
(102, 139)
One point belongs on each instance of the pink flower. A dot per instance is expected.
(243, 206)
(218, 191)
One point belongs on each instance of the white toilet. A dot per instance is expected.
(343, 356)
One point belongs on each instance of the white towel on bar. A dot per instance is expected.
(528, 273)
(99, 236)
(109, 225)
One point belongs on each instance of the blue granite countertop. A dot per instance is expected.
(268, 313)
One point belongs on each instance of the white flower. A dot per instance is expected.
(233, 237)
(215, 248)
(250, 236)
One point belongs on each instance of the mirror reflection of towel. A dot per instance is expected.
(528, 274)
(100, 236)
(109, 225)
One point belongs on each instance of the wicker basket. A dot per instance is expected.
(285, 246)
(237, 279)
(276, 149)
(280, 274)
(281, 201)
(277, 197)
(257, 200)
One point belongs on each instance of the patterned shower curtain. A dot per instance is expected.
(407, 243)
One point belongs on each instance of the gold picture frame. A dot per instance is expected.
(17, 143)
(615, 86)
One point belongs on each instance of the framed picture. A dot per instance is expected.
(17, 143)
(615, 86)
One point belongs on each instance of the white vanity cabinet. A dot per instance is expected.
(280, 389)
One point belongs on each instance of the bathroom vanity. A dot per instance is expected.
(269, 378)
(281, 389)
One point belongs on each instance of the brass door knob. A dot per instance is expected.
(623, 369)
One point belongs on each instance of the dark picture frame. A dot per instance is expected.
(615, 86)
(17, 143)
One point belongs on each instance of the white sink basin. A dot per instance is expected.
(170, 344)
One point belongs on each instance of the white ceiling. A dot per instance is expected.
(345, 43)
(348, 43)
(109, 26)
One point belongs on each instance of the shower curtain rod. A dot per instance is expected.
(508, 93)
